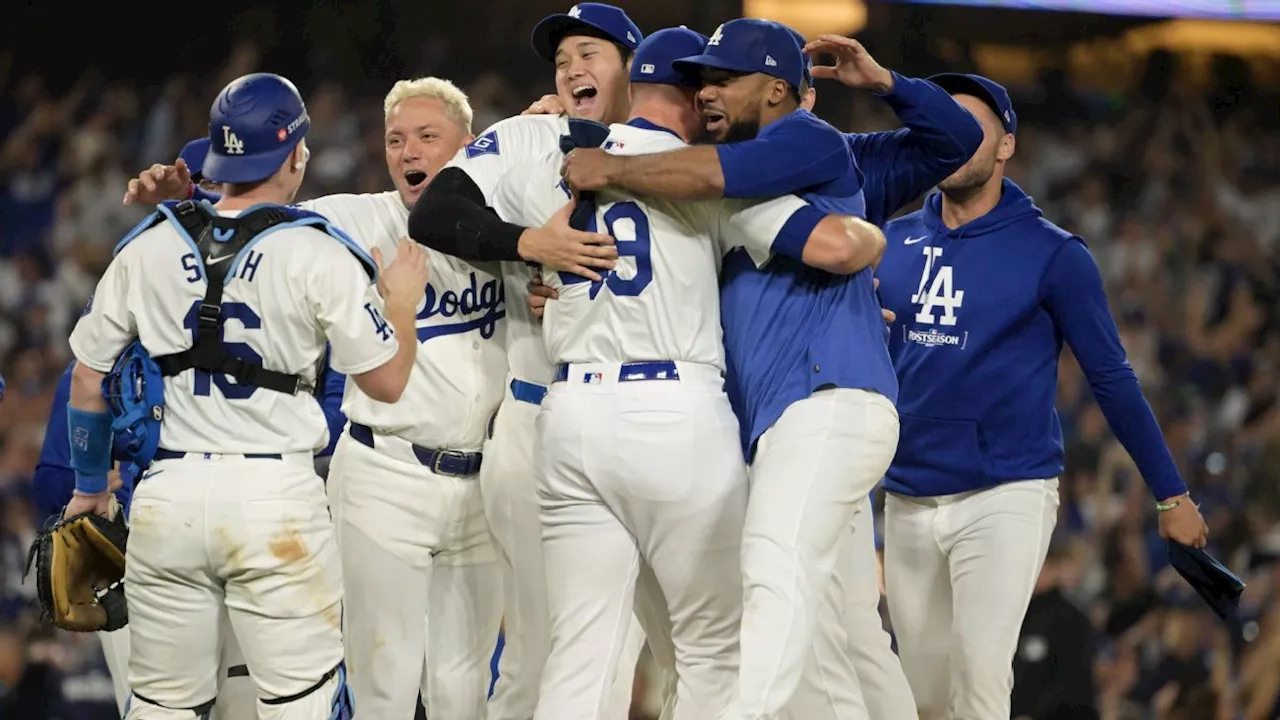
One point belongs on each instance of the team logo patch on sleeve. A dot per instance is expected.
(486, 144)
(88, 307)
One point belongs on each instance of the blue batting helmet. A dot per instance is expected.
(254, 124)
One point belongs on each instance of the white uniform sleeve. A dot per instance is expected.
(349, 311)
(754, 225)
(506, 145)
(107, 326)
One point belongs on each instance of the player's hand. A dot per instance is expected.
(854, 65)
(888, 315)
(159, 183)
(588, 169)
(546, 105)
(99, 504)
(404, 280)
(556, 246)
(539, 294)
(1184, 524)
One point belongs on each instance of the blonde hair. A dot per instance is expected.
(433, 88)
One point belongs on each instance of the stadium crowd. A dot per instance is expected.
(1177, 193)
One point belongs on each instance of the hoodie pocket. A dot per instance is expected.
(954, 448)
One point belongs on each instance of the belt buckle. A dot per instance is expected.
(440, 456)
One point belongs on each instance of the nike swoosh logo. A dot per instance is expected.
(151, 474)
(212, 261)
(913, 241)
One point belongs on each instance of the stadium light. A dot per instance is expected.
(811, 17)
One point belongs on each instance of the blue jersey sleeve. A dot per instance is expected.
(1072, 289)
(940, 136)
(794, 153)
(331, 402)
(54, 480)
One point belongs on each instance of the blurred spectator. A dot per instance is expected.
(1053, 668)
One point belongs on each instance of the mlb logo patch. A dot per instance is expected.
(593, 378)
(612, 145)
(486, 144)
(647, 69)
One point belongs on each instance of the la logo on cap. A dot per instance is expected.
(575, 12)
(717, 36)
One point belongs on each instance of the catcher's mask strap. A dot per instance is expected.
(219, 240)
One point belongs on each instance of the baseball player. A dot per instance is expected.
(590, 46)
(583, 621)
(54, 483)
(235, 307)
(804, 370)
(413, 509)
(986, 290)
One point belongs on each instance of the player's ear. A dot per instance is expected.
(778, 91)
(809, 99)
(1006, 148)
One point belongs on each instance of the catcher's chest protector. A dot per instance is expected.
(218, 243)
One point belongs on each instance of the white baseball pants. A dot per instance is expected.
(250, 535)
(812, 471)
(508, 487)
(959, 573)
(423, 588)
(885, 689)
(631, 474)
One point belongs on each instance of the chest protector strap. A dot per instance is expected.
(219, 240)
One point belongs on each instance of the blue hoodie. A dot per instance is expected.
(983, 311)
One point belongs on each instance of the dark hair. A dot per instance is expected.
(623, 51)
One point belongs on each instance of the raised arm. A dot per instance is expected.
(899, 166)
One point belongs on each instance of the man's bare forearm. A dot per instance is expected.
(686, 174)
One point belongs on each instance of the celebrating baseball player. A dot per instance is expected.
(235, 306)
(422, 598)
(589, 558)
(986, 290)
(590, 46)
(819, 381)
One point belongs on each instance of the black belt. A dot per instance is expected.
(163, 454)
(441, 462)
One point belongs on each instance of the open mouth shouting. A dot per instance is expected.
(415, 179)
(716, 121)
(584, 99)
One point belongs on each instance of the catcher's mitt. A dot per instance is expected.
(79, 565)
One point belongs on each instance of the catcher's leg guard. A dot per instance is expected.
(330, 699)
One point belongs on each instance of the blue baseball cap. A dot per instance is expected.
(594, 19)
(193, 154)
(254, 124)
(749, 45)
(989, 91)
(653, 61)
(808, 59)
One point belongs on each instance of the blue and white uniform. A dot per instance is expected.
(983, 310)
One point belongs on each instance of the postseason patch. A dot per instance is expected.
(88, 307)
(486, 144)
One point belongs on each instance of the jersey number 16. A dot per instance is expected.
(636, 246)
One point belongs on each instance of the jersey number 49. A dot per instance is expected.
(627, 224)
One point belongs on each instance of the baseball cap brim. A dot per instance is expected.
(692, 65)
(548, 33)
(245, 168)
(193, 154)
(961, 84)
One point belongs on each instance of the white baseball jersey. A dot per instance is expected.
(515, 145)
(462, 361)
(661, 301)
(295, 289)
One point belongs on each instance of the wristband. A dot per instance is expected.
(1172, 504)
(91, 439)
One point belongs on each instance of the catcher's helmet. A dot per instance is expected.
(254, 124)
